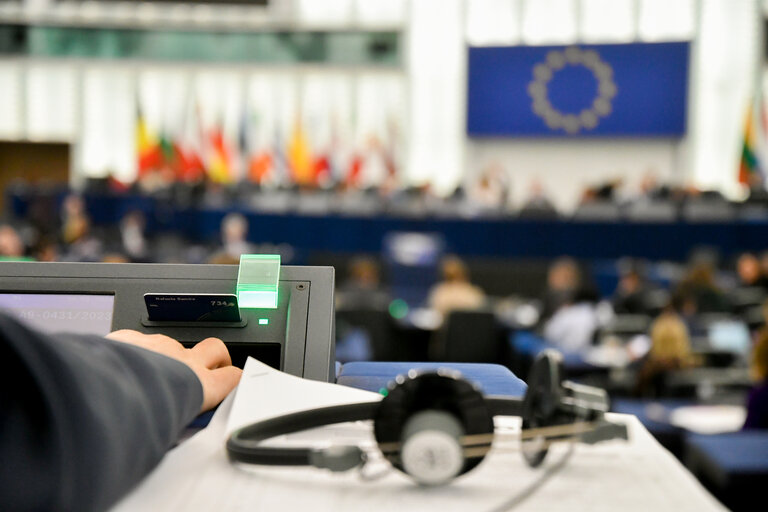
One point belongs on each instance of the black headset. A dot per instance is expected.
(435, 426)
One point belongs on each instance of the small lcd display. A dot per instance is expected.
(53, 312)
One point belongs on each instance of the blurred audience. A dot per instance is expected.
(455, 291)
(670, 350)
(757, 400)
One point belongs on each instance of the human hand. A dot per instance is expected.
(209, 359)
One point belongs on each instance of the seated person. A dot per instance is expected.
(630, 295)
(757, 401)
(84, 418)
(563, 281)
(455, 291)
(573, 326)
(670, 350)
(362, 290)
(11, 246)
(749, 272)
(699, 285)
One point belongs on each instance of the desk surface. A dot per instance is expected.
(638, 475)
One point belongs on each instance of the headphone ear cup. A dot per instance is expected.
(540, 405)
(433, 408)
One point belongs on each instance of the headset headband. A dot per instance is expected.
(435, 426)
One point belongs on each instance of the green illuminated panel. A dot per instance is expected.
(257, 281)
(263, 321)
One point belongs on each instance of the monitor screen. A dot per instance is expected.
(55, 312)
(730, 336)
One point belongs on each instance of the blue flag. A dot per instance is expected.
(584, 90)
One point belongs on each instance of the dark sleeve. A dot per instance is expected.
(757, 408)
(83, 418)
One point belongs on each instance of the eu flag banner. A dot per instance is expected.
(583, 90)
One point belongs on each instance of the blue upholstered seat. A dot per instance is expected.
(493, 379)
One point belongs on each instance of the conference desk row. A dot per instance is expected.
(639, 475)
(482, 237)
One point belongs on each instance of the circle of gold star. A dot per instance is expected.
(586, 119)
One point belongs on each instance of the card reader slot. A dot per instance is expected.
(146, 322)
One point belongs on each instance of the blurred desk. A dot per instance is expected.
(499, 237)
(671, 420)
(629, 476)
(734, 466)
(525, 345)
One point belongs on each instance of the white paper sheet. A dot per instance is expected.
(264, 393)
(196, 476)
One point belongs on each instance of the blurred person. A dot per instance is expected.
(362, 290)
(223, 258)
(134, 242)
(455, 291)
(651, 189)
(764, 263)
(85, 418)
(234, 230)
(46, 249)
(80, 244)
(114, 257)
(11, 246)
(757, 194)
(630, 295)
(757, 400)
(670, 350)
(491, 189)
(563, 281)
(605, 191)
(749, 272)
(573, 326)
(538, 204)
(75, 221)
(699, 286)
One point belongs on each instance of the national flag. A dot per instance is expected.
(260, 167)
(255, 156)
(148, 153)
(321, 169)
(280, 174)
(355, 170)
(220, 158)
(751, 169)
(300, 155)
(190, 145)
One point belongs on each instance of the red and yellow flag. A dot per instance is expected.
(300, 156)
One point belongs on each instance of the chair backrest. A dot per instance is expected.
(378, 325)
(470, 337)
